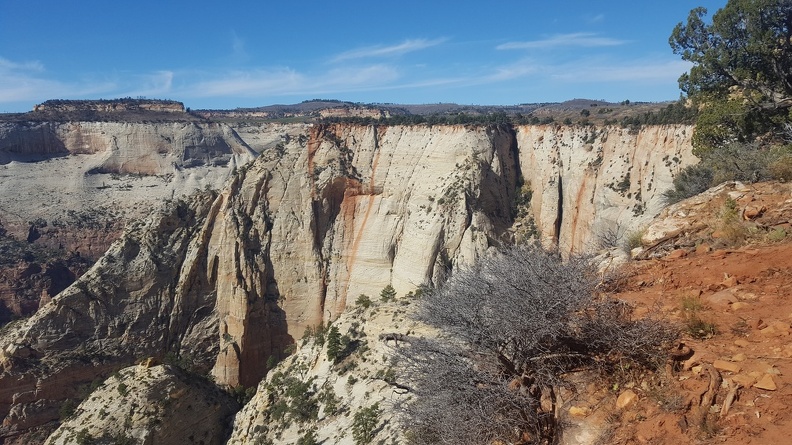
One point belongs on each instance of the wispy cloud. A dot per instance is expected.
(239, 53)
(596, 71)
(595, 18)
(405, 47)
(286, 81)
(26, 81)
(158, 84)
(578, 39)
(7, 66)
(515, 70)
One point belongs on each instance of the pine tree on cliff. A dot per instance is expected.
(333, 344)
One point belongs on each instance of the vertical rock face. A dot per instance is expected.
(318, 219)
(81, 182)
(343, 212)
(350, 209)
(140, 148)
(587, 180)
(147, 296)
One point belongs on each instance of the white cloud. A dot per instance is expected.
(386, 51)
(285, 81)
(628, 71)
(24, 81)
(516, 70)
(157, 84)
(7, 66)
(578, 39)
(596, 18)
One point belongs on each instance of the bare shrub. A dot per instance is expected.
(516, 323)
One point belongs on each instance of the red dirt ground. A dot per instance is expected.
(747, 294)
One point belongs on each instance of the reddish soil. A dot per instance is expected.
(747, 294)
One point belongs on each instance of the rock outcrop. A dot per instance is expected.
(588, 180)
(318, 219)
(158, 405)
(69, 188)
(147, 296)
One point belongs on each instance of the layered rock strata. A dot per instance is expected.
(317, 220)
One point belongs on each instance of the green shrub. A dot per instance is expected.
(731, 162)
(781, 168)
(388, 293)
(363, 301)
(365, 423)
(309, 438)
(690, 181)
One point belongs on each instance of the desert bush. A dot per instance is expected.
(696, 326)
(633, 240)
(690, 181)
(781, 167)
(731, 162)
(732, 229)
(363, 301)
(365, 423)
(516, 323)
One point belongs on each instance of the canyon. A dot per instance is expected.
(221, 243)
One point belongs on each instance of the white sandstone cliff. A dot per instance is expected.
(318, 219)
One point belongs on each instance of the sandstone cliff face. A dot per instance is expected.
(93, 173)
(319, 221)
(68, 188)
(588, 180)
(319, 218)
(345, 212)
(139, 148)
(147, 296)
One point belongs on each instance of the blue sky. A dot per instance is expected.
(246, 54)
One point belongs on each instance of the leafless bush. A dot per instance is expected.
(516, 324)
(610, 237)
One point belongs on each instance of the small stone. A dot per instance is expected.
(579, 411)
(738, 357)
(693, 293)
(720, 253)
(703, 248)
(626, 398)
(676, 254)
(773, 371)
(696, 369)
(781, 327)
(723, 365)
(722, 299)
(766, 383)
(695, 359)
(776, 329)
(738, 305)
(742, 343)
(730, 281)
(753, 212)
(744, 380)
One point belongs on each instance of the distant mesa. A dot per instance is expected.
(109, 105)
